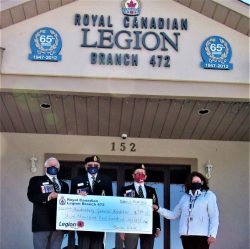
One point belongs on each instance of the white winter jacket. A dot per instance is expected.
(204, 215)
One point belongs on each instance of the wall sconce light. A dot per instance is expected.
(33, 160)
(208, 169)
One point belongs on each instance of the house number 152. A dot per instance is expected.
(123, 147)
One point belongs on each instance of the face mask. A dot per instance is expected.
(196, 185)
(139, 178)
(52, 170)
(92, 170)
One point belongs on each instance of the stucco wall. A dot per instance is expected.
(230, 178)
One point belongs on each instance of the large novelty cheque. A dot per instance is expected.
(104, 214)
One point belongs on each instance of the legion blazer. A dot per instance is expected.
(150, 194)
(103, 185)
(44, 211)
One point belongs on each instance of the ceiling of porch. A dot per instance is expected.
(137, 117)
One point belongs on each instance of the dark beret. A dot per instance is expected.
(92, 159)
(140, 166)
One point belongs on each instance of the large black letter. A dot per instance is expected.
(173, 44)
(93, 58)
(126, 22)
(127, 41)
(157, 44)
(86, 20)
(184, 24)
(103, 38)
(85, 34)
(77, 19)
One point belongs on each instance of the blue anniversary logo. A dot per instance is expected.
(45, 45)
(216, 53)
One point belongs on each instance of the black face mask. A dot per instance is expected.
(196, 185)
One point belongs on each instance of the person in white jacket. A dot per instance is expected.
(198, 213)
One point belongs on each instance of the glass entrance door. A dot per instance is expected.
(168, 181)
(113, 241)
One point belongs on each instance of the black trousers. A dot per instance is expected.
(194, 242)
(90, 240)
(146, 241)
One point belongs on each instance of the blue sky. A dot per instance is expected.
(246, 1)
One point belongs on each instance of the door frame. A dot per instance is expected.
(162, 168)
(168, 162)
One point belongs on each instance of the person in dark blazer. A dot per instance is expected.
(42, 192)
(91, 183)
(140, 190)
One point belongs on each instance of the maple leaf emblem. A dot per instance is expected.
(80, 223)
(131, 4)
(131, 7)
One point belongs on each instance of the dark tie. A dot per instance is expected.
(56, 186)
(140, 192)
(93, 182)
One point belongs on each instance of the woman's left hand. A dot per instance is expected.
(155, 207)
(157, 232)
(211, 240)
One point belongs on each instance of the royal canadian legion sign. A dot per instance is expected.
(109, 45)
(138, 33)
